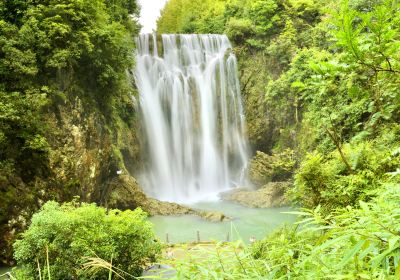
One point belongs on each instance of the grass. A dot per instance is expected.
(94, 264)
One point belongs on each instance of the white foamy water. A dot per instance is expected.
(192, 116)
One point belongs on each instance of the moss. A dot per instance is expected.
(270, 195)
(268, 168)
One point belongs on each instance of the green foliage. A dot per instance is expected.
(56, 47)
(51, 53)
(352, 243)
(283, 47)
(360, 243)
(188, 16)
(71, 233)
(241, 20)
(24, 155)
(327, 181)
(21, 142)
(321, 79)
(238, 29)
(264, 14)
(225, 261)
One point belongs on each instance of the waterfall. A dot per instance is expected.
(192, 116)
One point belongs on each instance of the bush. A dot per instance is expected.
(239, 29)
(64, 237)
(326, 179)
(350, 243)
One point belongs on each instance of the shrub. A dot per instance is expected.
(64, 237)
(239, 29)
(326, 180)
(350, 243)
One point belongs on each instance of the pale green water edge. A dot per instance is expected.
(246, 222)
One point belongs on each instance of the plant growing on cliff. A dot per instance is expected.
(327, 181)
(61, 239)
(55, 55)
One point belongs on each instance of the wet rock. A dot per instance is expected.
(270, 195)
(266, 168)
(156, 207)
(159, 271)
(123, 192)
(214, 216)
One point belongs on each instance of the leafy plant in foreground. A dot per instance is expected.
(63, 237)
(352, 243)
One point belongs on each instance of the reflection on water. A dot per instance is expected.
(245, 223)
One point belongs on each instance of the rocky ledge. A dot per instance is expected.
(123, 192)
(270, 195)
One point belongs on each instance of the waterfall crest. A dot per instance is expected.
(192, 116)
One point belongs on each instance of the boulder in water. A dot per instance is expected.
(123, 192)
(159, 271)
(270, 195)
(214, 216)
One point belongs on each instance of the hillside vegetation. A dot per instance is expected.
(64, 103)
(321, 89)
(320, 79)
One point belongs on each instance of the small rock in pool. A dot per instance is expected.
(159, 271)
(214, 216)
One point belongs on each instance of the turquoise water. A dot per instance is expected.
(246, 223)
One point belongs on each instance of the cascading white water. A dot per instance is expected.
(192, 116)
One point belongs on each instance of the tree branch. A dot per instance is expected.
(334, 137)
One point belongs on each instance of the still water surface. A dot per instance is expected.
(246, 223)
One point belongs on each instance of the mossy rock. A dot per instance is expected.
(214, 216)
(265, 168)
(270, 195)
(125, 193)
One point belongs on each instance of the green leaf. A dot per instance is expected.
(351, 253)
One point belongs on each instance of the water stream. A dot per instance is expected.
(192, 116)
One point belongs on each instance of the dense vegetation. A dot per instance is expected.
(56, 57)
(320, 79)
(73, 241)
(321, 87)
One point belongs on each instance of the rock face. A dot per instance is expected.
(88, 146)
(270, 195)
(266, 168)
